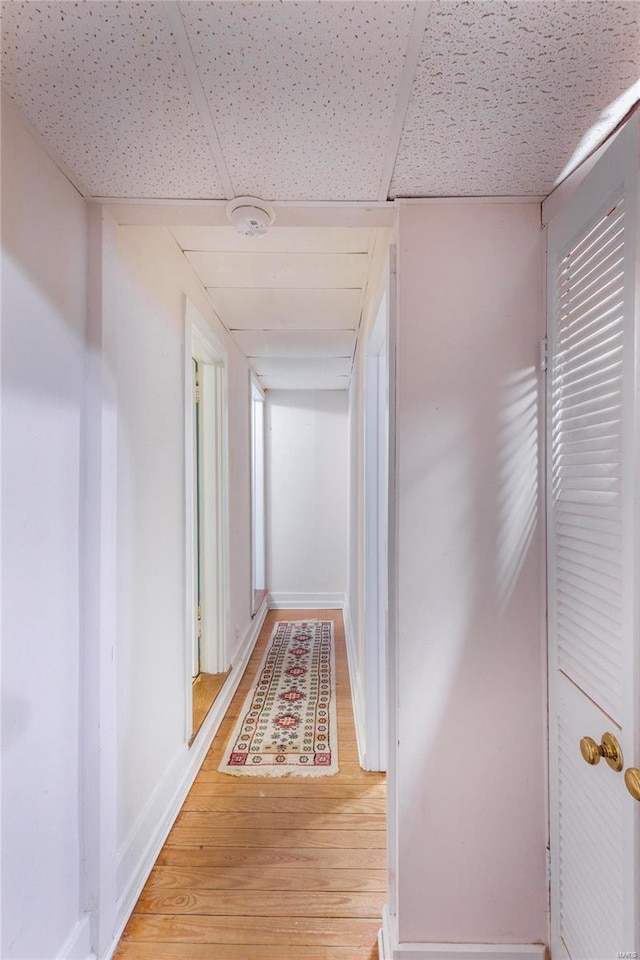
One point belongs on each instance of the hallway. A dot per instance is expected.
(263, 869)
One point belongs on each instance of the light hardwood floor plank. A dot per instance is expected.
(257, 903)
(280, 878)
(182, 836)
(232, 803)
(136, 950)
(340, 858)
(276, 931)
(290, 787)
(281, 821)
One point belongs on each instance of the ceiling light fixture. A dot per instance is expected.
(250, 216)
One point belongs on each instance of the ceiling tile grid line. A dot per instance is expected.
(418, 26)
(174, 16)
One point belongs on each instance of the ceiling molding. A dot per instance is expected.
(418, 26)
(174, 16)
(212, 213)
(406, 201)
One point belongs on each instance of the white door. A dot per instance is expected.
(594, 559)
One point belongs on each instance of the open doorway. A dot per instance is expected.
(206, 506)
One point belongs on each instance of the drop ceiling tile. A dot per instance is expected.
(280, 270)
(504, 93)
(305, 383)
(103, 84)
(325, 343)
(302, 93)
(301, 367)
(276, 240)
(260, 309)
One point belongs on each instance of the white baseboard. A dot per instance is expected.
(357, 693)
(140, 850)
(306, 601)
(454, 951)
(77, 946)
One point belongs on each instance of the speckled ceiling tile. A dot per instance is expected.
(504, 93)
(303, 94)
(103, 84)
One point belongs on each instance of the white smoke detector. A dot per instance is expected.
(250, 216)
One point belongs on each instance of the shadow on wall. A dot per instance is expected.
(517, 460)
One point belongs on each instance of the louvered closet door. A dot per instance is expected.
(593, 557)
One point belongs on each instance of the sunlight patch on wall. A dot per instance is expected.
(517, 477)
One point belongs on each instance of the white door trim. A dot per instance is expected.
(202, 344)
(256, 393)
(375, 538)
(392, 625)
(98, 788)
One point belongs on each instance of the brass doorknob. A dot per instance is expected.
(609, 748)
(632, 781)
(590, 750)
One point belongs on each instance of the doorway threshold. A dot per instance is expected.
(206, 687)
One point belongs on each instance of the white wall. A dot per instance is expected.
(469, 785)
(152, 279)
(44, 258)
(307, 491)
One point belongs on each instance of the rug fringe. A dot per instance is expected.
(268, 773)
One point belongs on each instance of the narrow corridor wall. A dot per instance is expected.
(44, 303)
(469, 785)
(307, 492)
(153, 279)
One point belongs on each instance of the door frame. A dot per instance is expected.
(376, 498)
(254, 385)
(201, 344)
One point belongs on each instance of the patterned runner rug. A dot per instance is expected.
(287, 725)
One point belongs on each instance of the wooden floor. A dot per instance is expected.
(262, 868)
(206, 688)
